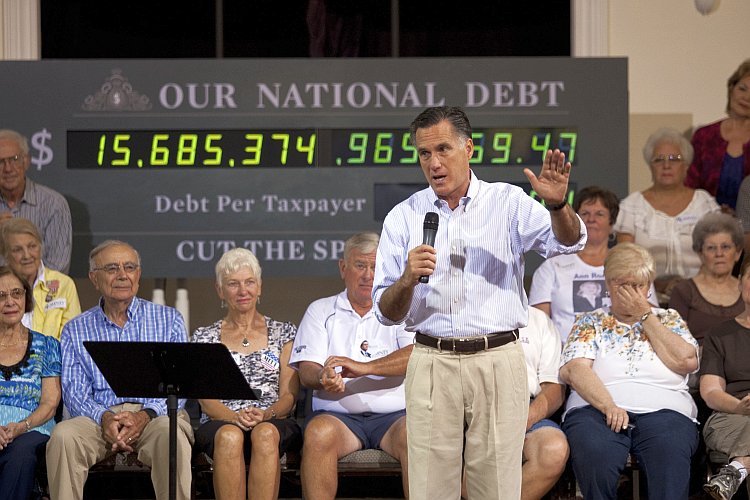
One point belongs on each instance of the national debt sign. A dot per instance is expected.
(186, 159)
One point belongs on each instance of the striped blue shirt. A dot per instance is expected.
(49, 211)
(85, 390)
(477, 287)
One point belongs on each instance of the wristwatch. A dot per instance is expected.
(559, 206)
(151, 413)
(645, 316)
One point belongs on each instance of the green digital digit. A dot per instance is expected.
(478, 139)
(568, 144)
(284, 138)
(407, 147)
(121, 149)
(102, 143)
(254, 150)
(544, 146)
(186, 147)
(159, 154)
(383, 148)
(358, 144)
(210, 148)
(308, 148)
(501, 142)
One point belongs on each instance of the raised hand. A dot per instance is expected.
(552, 183)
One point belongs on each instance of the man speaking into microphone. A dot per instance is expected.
(466, 377)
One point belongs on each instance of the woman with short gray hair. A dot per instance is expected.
(713, 295)
(661, 218)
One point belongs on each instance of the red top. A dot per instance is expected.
(710, 149)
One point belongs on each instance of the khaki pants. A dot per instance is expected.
(484, 393)
(77, 444)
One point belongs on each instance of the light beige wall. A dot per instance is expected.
(678, 59)
(678, 64)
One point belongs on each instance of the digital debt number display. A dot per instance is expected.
(299, 148)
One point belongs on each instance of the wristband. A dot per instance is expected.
(645, 317)
(559, 206)
(28, 425)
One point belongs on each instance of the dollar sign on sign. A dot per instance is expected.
(39, 142)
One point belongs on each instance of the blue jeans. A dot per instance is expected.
(662, 441)
(18, 465)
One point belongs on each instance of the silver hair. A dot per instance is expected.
(669, 136)
(107, 244)
(235, 259)
(366, 242)
(11, 135)
(18, 225)
(714, 223)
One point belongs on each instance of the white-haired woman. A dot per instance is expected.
(661, 218)
(55, 295)
(628, 367)
(234, 431)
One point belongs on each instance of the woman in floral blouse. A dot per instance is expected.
(234, 431)
(628, 367)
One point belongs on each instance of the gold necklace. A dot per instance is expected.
(11, 344)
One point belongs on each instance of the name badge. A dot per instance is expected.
(56, 304)
(270, 361)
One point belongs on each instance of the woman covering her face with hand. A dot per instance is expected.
(628, 367)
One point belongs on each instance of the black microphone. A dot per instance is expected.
(429, 227)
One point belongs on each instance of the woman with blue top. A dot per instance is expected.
(29, 388)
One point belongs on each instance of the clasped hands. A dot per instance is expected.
(248, 417)
(122, 430)
(9, 432)
(332, 379)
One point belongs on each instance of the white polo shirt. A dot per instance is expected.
(331, 327)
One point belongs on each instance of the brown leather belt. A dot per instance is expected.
(467, 345)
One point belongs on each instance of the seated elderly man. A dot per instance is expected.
(358, 397)
(104, 423)
(22, 197)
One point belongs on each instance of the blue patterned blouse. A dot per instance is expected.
(21, 384)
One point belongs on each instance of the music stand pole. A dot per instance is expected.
(172, 414)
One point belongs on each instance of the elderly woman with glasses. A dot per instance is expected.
(628, 367)
(713, 295)
(662, 217)
(55, 298)
(29, 388)
(234, 431)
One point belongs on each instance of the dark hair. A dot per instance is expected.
(5, 271)
(593, 193)
(432, 116)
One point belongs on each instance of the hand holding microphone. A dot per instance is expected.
(429, 228)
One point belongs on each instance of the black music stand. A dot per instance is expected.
(170, 370)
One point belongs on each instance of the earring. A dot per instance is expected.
(223, 304)
(258, 300)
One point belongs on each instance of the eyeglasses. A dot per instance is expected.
(662, 160)
(236, 284)
(15, 294)
(13, 161)
(714, 249)
(128, 267)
